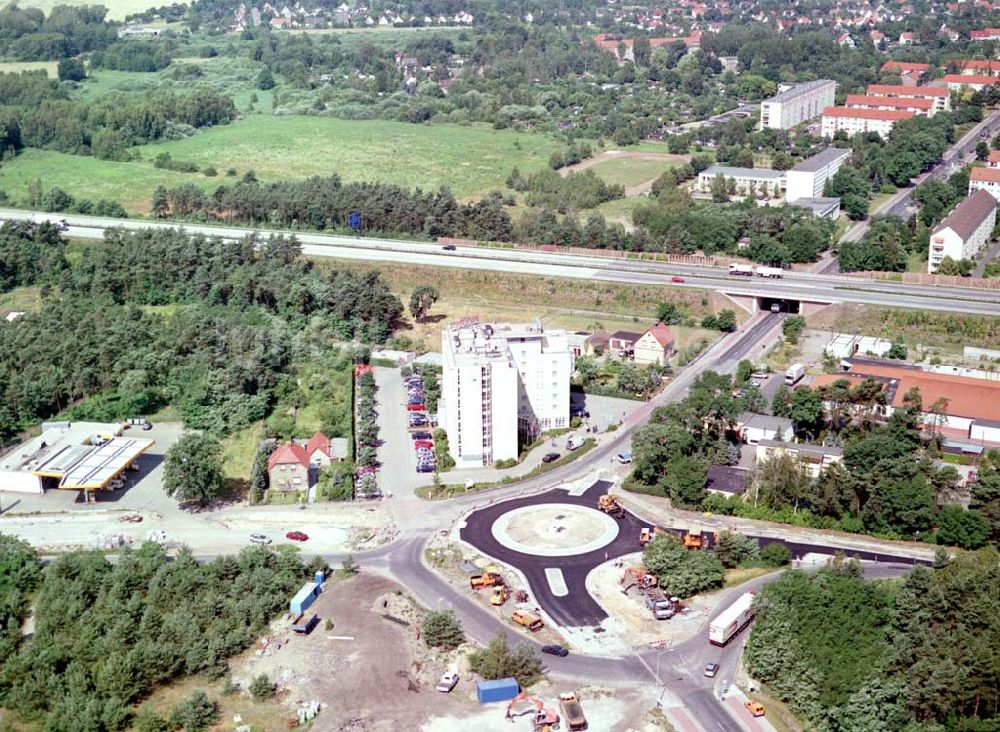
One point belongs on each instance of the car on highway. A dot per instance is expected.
(550, 457)
(555, 650)
(450, 678)
(711, 669)
(676, 278)
(449, 247)
(297, 536)
(260, 539)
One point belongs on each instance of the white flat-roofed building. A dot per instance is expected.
(809, 177)
(853, 121)
(799, 104)
(502, 384)
(759, 180)
(965, 231)
(70, 455)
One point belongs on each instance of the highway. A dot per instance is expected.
(794, 286)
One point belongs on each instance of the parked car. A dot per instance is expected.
(415, 400)
(676, 278)
(297, 536)
(415, 407)
(550, 457)
(555, 650)
(421, 436)
(424, 443)
(711, 669)
(260, 539)
(366, 470)
(424, 468)
(450, 679)
(625, 457)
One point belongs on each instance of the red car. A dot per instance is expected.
(415, 407)
(676, 278)
(297, 536)
(423, 443)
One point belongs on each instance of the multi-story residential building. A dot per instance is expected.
(813, 458)
(965, 231)
(975, 82)
(909, 73)
(853, 121)
(921, 106)
(978, 67)
(799, 104)
(986, 179)
(940, 95)
(808, 178)
(994, 159)
(502, 385)
(745, 180)
(986, 34)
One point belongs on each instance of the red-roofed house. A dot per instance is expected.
(994, 159)
(986, 34)
(909, 73)
(293, 466)
(655, 346)
(987, 179)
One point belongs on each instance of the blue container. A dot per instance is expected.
(318, 579)
(304, 598)
(497, 691)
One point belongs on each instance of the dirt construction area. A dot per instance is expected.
(370, 673)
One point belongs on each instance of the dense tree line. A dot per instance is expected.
(548, 189)
(108, 635)
(28, 34)
(132, 55)
(30, 255)
(325, 203)
(247, 311)
(848, 654)
(40, 114)
(884, 247)
(20, 573)
(888, 483)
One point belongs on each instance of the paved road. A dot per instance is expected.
(799, 286)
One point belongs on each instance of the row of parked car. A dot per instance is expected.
(420, 424)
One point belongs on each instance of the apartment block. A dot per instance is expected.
(986, 179)
(809, 177)
(920, 106)
(958, 82)
(502, 385)
(745, 180)
(853, 121)
(965, 231)
(799, 104)
(940, 95)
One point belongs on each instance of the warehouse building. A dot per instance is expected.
(966, 230)
(799, 104)
(86, 456)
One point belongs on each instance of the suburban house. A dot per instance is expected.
(622, 343)
(814, 458)
(727, 480)
(753, 427)
(964, 233)
(294, 466)
(655, 346)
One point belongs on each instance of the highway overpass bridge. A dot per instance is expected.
(794, 292)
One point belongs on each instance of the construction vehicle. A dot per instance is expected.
(645, 536)
(637, 577)
(500, 595)
(528, 620)
(542, 719)
(662, 607)
(485, 579)
(610, 505)
(694, 539)
(572, 712)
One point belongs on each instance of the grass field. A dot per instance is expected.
(466, 159)
(629, 171)
(117, 9)
(469, 160)
(16, 67)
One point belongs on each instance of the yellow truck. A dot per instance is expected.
(528, 620)
(572, 712)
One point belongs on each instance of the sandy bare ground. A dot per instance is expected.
(619, 155)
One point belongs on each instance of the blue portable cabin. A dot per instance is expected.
(304, 598)
(497, 691)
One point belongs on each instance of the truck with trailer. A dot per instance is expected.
(748, 270)
(742, 270)
(771, 273)
(572, 712)
(795, 372)
(732, 620)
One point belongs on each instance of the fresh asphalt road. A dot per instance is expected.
(801, 286)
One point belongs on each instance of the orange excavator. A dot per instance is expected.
(637, 577)
(542, 720)
(610, 505)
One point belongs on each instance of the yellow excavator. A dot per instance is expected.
(500, 595)
(610, 505)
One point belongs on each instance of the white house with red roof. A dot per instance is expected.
(655, 346)
(294, 465)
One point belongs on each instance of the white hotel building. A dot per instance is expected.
(501, 382)
(799, 104)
